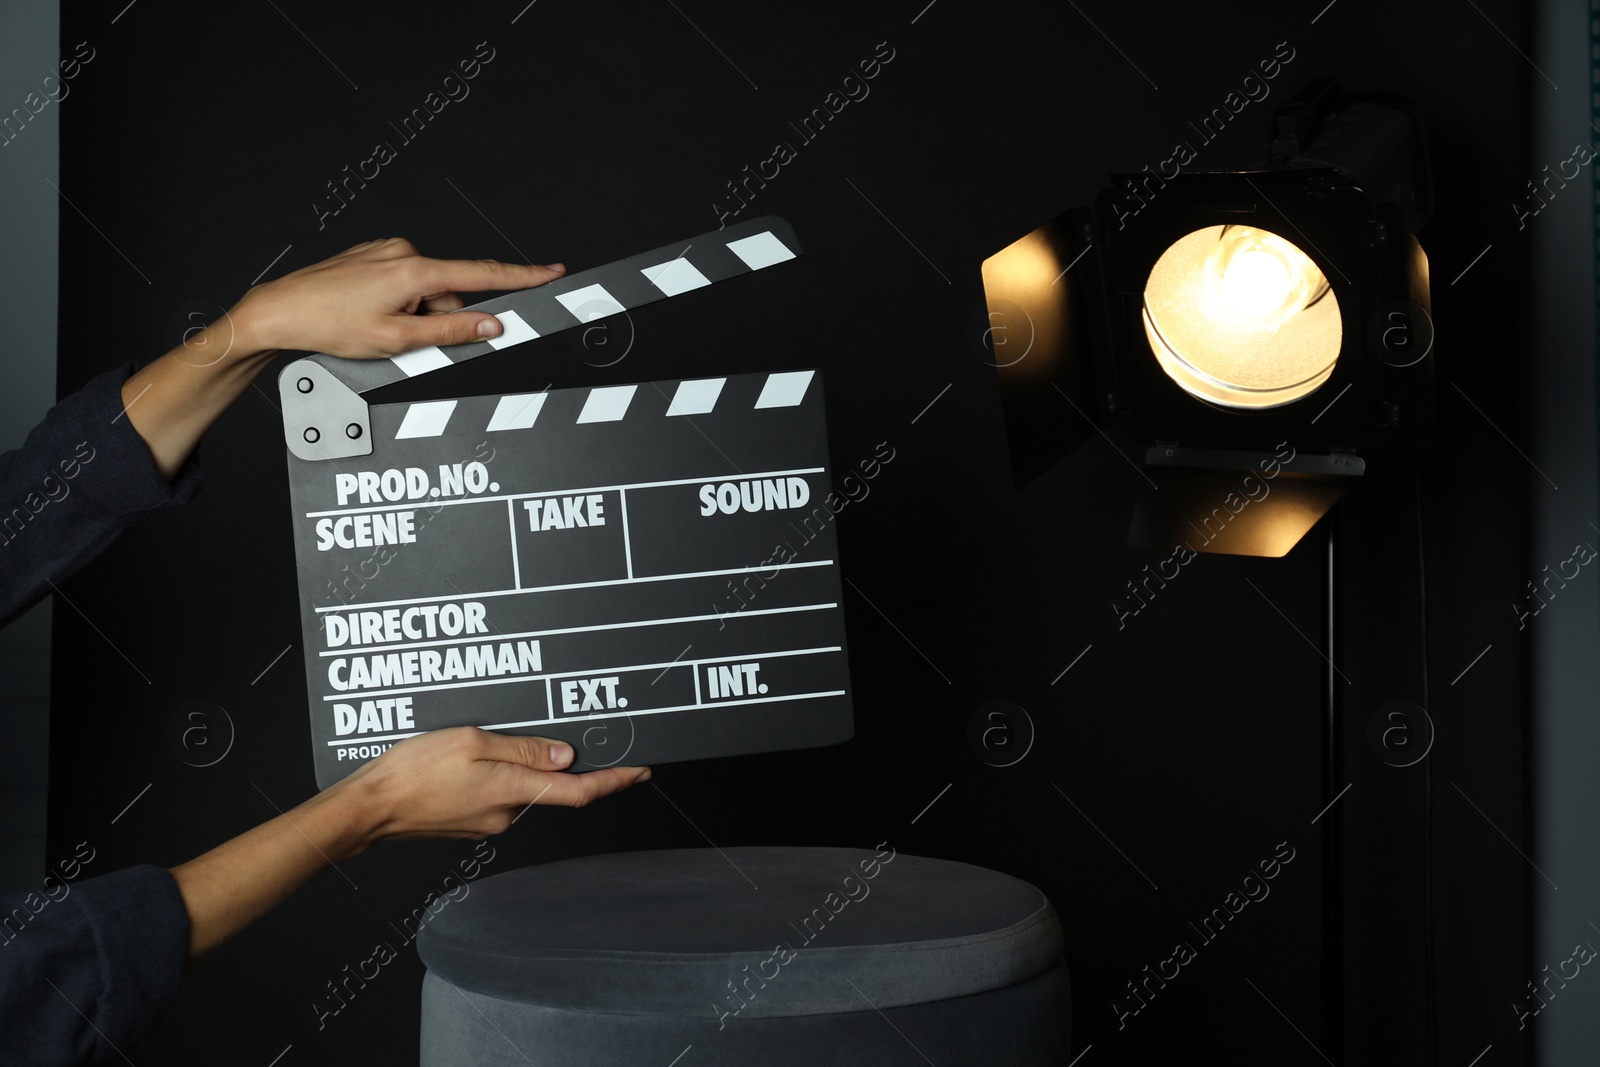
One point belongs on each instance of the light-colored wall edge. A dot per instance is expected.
(29, 33)
(1565, 637)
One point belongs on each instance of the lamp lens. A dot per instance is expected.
(1241, 317)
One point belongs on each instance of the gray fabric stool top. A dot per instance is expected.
(776, 953)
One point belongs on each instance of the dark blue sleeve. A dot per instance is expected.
(88, 968)
(82, 477)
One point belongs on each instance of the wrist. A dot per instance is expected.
(224, 348)
(349, 818)
(245, 335)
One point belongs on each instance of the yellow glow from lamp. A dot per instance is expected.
(1241, 317)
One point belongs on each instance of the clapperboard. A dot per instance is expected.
(645, 571)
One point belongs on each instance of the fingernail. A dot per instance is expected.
(489, 327)
(644, 775)
(561, 754)
(562, 267)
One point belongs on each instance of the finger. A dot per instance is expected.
(442, 302)
(579, 790)
(476, 275)
(540, 753)
(454, 328)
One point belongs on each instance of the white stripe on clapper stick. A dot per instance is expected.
(784, 390)
(517, 411)
(590, 303)
(696, 397)
(760, 250)
(608, 404)
(675, 276)
(513, 330)
(420, 360)
(425, 419)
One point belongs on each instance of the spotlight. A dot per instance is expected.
(1267, 322)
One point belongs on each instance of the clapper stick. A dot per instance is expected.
(324, 417)
(649, 572)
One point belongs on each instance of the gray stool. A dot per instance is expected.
(775, 956)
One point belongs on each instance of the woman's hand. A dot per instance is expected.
(466, 782)
(461, 782)
(364, 303)
(377, 299)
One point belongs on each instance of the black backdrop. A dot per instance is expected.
(1173, 756)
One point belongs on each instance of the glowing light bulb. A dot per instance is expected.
(1256, 279)
(1256, 283)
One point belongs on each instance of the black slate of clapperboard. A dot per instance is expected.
(754, 659)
